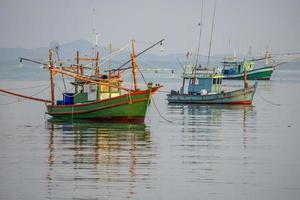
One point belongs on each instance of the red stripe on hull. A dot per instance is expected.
(234, 103)
(132, 119)
(247, 102)
(264, 79)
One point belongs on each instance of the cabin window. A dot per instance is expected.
(239, 68)
(214, 81)
(220, 81)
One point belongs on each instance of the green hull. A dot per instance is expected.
(242, 96)
(131, 108)
(263, 73)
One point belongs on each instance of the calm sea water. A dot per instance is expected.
(207, 152)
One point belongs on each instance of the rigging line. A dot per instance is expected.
(211, 34)
(198, 48)
(120, 68)
(23, 88)
(113, 54)
(266, 100)
(142, 75)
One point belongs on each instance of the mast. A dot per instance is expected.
(245, 79)
(52, 74)
(110, 52)
(267, 56)
(200, 31)
(211, 34)
(134, 65)
(77, 61)
(97, 64)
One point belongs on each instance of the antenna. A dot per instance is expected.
(250, 52)
(94, 34)
(229, 46)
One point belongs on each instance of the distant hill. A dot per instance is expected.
(68, 50)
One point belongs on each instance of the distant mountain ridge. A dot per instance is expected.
(68, 51)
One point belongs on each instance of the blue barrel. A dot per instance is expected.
(68, 98)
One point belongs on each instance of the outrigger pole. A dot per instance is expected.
(24, 96)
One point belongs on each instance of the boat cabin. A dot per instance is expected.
(231, 67)
(202, 82)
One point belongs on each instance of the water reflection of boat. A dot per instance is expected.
(209, 117)
(98, 153)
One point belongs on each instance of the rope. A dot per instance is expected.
(64, 94)
(160, 112)
(154, 101)
(274, 104)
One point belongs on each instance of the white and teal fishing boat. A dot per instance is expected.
(205, 87)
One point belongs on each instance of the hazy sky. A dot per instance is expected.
(34, 23)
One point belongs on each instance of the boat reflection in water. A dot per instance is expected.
(209, 124)
(107, 156)
(203, 118)
(208, 132)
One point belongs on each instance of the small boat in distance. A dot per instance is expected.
(113, 102)
(205, 87)
(233, 68)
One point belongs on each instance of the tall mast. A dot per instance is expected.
(200, 31)
(110, 51)
(52, 74)
(134, 66)
(97, 71)
(211, 34)
(267, 56)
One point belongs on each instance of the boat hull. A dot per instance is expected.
(263, 73)
(124, 108)
(242, 96)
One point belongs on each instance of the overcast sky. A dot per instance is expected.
(255, 23)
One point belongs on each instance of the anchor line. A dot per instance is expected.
(159, 113)
(266, 100)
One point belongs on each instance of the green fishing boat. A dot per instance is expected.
(234, 69)
(113, 101)
(130, 107)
